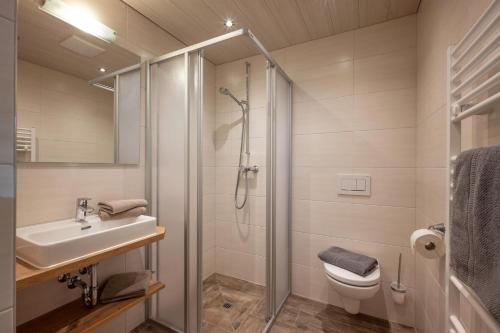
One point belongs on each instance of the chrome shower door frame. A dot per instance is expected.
(272, 310)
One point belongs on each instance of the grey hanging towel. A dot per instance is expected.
(351, 261)
(475, 224)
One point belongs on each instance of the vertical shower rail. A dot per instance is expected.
(472, 73)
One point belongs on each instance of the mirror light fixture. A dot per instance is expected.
(79, 18)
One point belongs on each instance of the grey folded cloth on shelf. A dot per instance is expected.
(351, 261)
(134, 212)
(475, 224)
(118, 206)
(125, 285)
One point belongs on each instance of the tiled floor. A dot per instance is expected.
(303, 315)
(151, 327)
(246, 313)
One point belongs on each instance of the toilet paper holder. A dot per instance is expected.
(440, 228)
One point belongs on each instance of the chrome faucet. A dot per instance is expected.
(82, 209)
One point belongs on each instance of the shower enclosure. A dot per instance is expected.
(219, 168)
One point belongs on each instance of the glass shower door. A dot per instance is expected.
(169, 106)
(282, 190)
(279, 189)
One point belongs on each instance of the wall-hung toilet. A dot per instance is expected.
(352, 288)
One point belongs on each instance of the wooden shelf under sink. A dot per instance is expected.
(27, 275)
(75, 317)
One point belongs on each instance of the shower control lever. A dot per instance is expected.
(253, 168)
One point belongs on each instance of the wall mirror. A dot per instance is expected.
(65, 115)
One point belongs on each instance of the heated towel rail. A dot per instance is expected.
(473, 82)
(26, 142)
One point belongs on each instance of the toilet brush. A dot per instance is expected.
(399, 271)
(398, 290)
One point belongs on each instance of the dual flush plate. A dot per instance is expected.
(353, 184)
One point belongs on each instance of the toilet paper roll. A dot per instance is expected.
(428, 243)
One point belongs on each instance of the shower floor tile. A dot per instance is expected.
(232, 305)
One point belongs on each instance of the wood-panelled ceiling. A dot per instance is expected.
(39, 38)
(277, 23)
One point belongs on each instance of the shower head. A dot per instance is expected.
(225, 91)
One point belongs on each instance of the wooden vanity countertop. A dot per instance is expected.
(27, 275)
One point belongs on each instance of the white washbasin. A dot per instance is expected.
(48, 244)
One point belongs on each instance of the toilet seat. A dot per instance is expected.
(351, 278)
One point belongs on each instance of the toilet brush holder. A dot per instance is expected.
(398, 292)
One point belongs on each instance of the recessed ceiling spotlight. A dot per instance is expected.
(228, 23)
(102, 70)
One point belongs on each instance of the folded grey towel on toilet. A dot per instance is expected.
(125, 285)
(475, 224)
(351, 261)
(119, 206)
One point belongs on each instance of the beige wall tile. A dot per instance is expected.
(208, 236)
(317, 217)
(390, 186)
(240, 265)
(339, 48)
(254, 213)
(323, 150)
(208, 263)
(239, 237)
(312, 283)
(385, 37)
(318, 83)
(381, 224)
(384, 148)
(317, 183)
(378, 306)
(431, 193)
(386, 109)
(432, 141)
(395, 70)
(322, 116)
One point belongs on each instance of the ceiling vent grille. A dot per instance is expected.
(81, 46)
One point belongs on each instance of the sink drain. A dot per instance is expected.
(227, 305)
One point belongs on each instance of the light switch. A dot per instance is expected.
(353, 184)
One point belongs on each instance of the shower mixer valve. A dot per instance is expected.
(246, 169)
